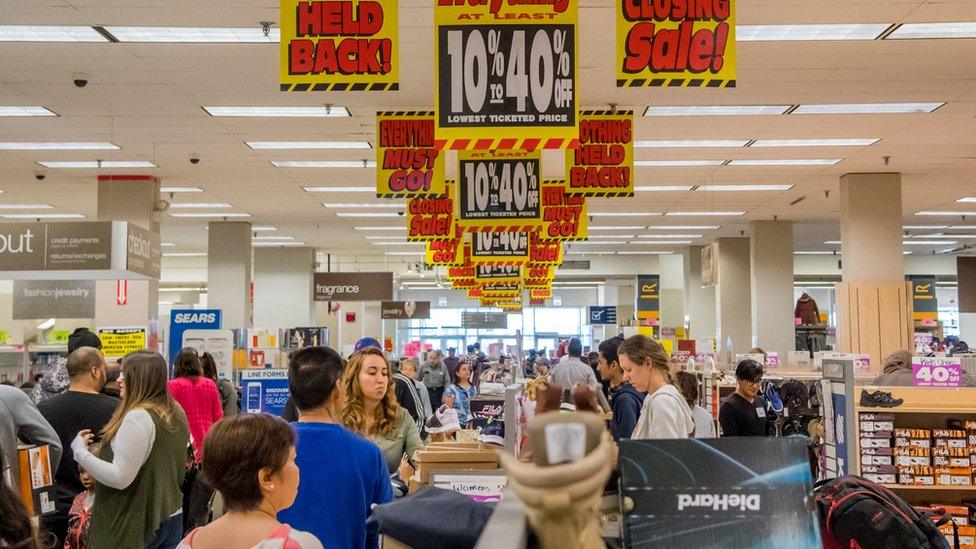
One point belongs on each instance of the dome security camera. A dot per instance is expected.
(80, 81)
(40, 176)
(194, 159)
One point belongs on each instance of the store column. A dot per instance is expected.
(966, 275)
(874, 303)
(772, 286)
(283, 287)
(672, 290)
(699, 299)
(229, 272)
(130, 303)
(733, 302)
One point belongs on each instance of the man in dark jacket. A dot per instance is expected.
(625, 400)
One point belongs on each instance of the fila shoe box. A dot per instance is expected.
(36, 479)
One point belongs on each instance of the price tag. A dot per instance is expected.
(512, 80)
(499, 190)
(937, 372)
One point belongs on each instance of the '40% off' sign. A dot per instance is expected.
(499, 189)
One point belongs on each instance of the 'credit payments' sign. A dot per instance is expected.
(181, 320)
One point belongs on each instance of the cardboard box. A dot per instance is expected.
(886, 478)
(913, 433)
(875, 443)
(948, 433)
(901, 442)
(876, 434)
(954, 476)
(967, 425)
(876, 422)
(960, 514)
(868, 459)
(950, 443)
(912, 457)
(36, 479)
(872, 416)
(442, 458)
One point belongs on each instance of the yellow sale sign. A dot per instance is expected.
(499, 191)
(431, 218)
(603, 162)
(408, 161)
(676, 43)
(444, 252)
(339, 45)
(563, 216)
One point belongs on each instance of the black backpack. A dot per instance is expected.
(855, 512)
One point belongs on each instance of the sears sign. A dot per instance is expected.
(181, 320)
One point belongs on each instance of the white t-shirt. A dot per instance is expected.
(665, 415)
(704, 424)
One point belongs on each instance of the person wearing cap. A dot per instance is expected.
(56, 379)
(435, 377)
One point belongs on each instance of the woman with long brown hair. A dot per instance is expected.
(665, 413)
(372, 410)
(140, 463)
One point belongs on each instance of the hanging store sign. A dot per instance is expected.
(649, 299)
(545, 253)
(672, 43)
(603, 162)
(408, 161)
(404, 310)
(563, 217)
(353, 286)
(143, 251)
(339, 45)
(444, 252)
(924, 301)
(499, 190)
(504, 248)
(603, 315)
(544, 293)
(33, 299)
(508, 71)
(430, 219)
(484, 320)
(497, 289)
(498, 273)
(56, 246)
(538, 276)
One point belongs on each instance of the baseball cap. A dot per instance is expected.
(367, 342)
(444, 420)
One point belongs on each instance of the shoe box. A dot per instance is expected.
(916, 456)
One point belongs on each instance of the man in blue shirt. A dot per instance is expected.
(342, 474)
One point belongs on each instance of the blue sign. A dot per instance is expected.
(264, 391)
(181, 320)
(603, 315)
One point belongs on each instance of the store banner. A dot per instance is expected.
(264, 391)
(498, 273)
(404, 310)
(507, 304)
(118, 342)
(503, 248)
(676, 44)
(602, 164)
(353, 286)
(39, 299)
(339, 45)
(564, 217)
(603, 315)
(545, 253)
(444, 253)
(717, 492)
(499, 190)
(408, 161)
(181, 320)
(56, 246)
(464, 284)
(431, 218)
(649, 299)
(505, 72)
(143, 251)
(924, 300)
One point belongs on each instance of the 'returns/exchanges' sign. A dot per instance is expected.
(339, 45)
(408, 162)
(676, 43)
(603, 162)
(507, 72)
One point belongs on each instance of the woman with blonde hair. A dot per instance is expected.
(665, 413)
(372, 410)
(141, 461)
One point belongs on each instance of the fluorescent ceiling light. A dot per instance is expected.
(185, 254)
(263, 244)
(615, 228)
(95, 164)
(690, 143)
(324, 164)
(681, 227)
(693, 214)
(401, 243)
(663, 188)
(400, 229)
(367, 214)
(278, 145)
(716, 110)
(403, 253)
(623, 214)
(606, 240)
(624, 236)
(26, 207)
(286, 112)
(945, 213)
(666, 236)
(339, 189)
(263, 229)
(200, 205)
(959, 227)
(366, 205)
(210, 214)
(182, 289)
(815, 253)
(25, 111)
(832, 242)
(927, 242)
(180, 190)
(947, 236)
(43, 216)
(787, 162)
(273, 237)
(661, 242)
(967, 199)
(676, 163)
(776, 33)
(167, 245)
(213, 35)
(933, 30)
(814, 142)
(867, 108)
(645, 252)
(734, 188)
(55, 146)
(924, 227)
(385, 237)
(35, 33)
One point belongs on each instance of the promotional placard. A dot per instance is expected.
(603, 162)
(924, 301)
(404, 310)
(353, 286)
(676, 44)
(603, 315)
(408, 161)
(431, 219)
(545, 253)
(499, 190)
(339, 45)
(501, 289)
(33, 299)
(118, 342)
(507, 70)
(941, 372)
(264, 391)
(444, 252)
(503, 248)
(181, 320)
(498, 273)
(564, 217)
(540, 293)
(649, 299)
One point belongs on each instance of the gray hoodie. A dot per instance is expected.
(665, 415)
(19, 418)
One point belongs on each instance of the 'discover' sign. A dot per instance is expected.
(676, 43)
(353, 286)
(603, 162)
(408, 161)
(506, 70)
(339, 45)
(499, 190)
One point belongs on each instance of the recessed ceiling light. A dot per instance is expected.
(324, 164)
(867, 108)
(266, 244)
(663, 188)
(366, 205)
(43, 216)
(814, 142)
(945, 213)
(400, 229)
(924, 227)
(273, 237)
(815, 253)
(616, 228)
(286, 112)
(385, 237)
(967, 199)
(213, 35)
(367, 214)
(933, 30)
(623, 214)
(179, 205)
(709, 213)
(681, 227)
(788, 162)
(666, 236)
(676, 163)
(180, 190)
(339, 189)
(716, 110)
(278, 145)
(775, 33)
(95, 164)
(25, 111)
(690, 144)
(41, 33)
(743, 188)
(55, 146)
(26, 207)
(185, 254)
(210, 214)
(927, 242)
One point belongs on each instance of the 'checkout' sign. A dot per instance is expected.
(181, 320)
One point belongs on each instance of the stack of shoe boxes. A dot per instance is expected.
(913, 456)
(961, 516)
(877, 461)
(956, 450)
